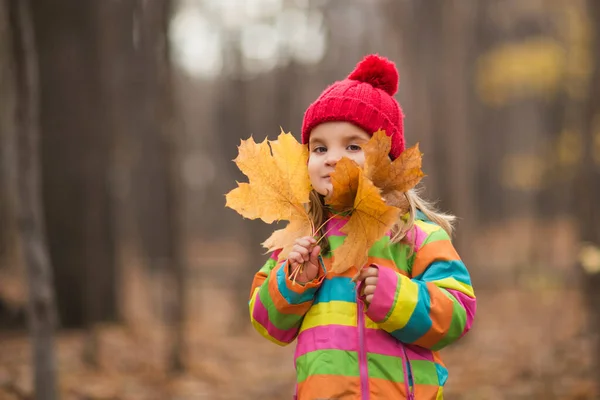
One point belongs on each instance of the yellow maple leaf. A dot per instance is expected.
(394, 178)
(284, 238)
(345, 182)
(278, 187)
(370, 216)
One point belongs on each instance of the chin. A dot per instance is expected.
(325, 191)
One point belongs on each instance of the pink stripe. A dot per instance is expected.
(327, 337)
(275, 255)
(418, 353)
(385, 292)
(470, 306)
(334, 226)
(261, 315)
(339, 337)
(417, 236)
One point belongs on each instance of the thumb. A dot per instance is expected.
(314, 255)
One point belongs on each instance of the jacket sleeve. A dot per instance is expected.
(278, 305)
(434, 308)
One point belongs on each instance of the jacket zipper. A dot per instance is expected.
(362, 354)
(410, 393)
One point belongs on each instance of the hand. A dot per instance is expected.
(370, 276)
(305, 251)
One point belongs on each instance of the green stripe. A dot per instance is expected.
(424, 372)
(335, 241)
(459, 319)
(400, 257)
(327, 362)
(385, 367)
(381, 248)
(281, 321)
(391, 310)
(440, 234)
(269, 265)
(345, 363)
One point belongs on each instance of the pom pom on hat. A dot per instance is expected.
(366, 99)
(377, 71)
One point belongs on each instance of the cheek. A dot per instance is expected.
(359, 158)
(313, 167)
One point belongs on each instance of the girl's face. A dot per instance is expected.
(329, 142)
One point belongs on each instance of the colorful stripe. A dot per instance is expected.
(278, 305)
(260, 317)
(423, 301)
(333, 313)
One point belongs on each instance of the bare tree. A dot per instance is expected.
(42, 312)
(170, 137)
(587, 183)
(7, 140)
(75, 147)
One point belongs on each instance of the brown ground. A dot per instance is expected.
(524, 345)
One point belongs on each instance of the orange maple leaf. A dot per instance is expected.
(394, 178)
(370, 216)
(278, 187)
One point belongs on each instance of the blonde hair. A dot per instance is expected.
(414, 202)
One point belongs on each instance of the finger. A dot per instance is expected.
(310, 239)
(366, 272)
(294, 259)
(369, 290)
(297, 257)
(304, 242)
(314, 255)
(371, 280)
(302, 251)
(369, 298)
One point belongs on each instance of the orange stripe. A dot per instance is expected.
(426, 392)
(440, 310)
(259, 279)
(348, 387)
(280, 302)
(440, 250)
(437, 358)
(382, 389)
(329, 387)
(351, 272)
(296, 288)
(328, 262)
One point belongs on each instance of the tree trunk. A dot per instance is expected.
(75, 161)
(587, 184)
(171, 124)
(7, 143)
(42, 312)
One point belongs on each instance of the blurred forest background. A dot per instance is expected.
(122, 274)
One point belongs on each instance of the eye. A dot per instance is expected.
(354, 147)
(319, 149)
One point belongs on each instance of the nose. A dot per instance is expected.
(332, 158)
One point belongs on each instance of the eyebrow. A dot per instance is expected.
(357, 137)
(348, 139)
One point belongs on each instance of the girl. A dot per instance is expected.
(378, 338)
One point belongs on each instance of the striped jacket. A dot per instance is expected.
(423, 302)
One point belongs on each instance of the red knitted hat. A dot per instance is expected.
(365, 99)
